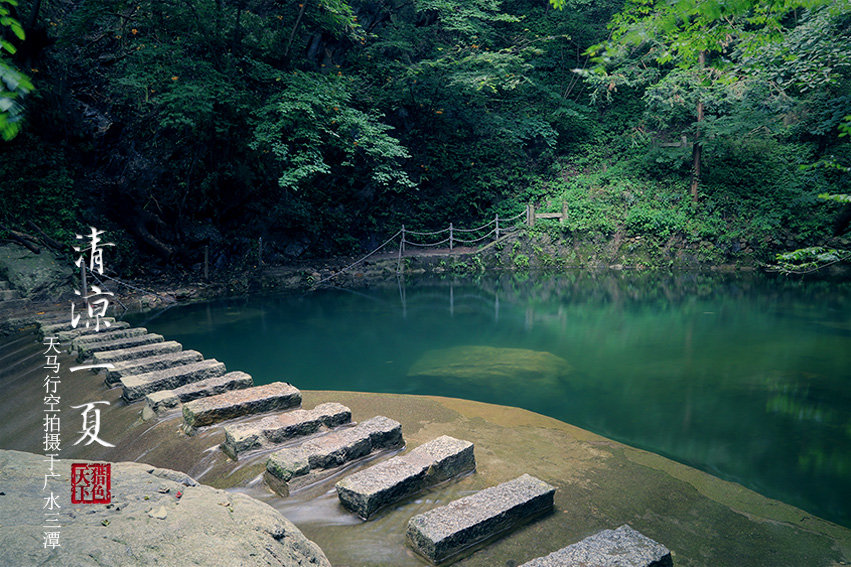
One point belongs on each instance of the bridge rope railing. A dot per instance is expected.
(417, 239)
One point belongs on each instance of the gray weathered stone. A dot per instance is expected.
(146, 523)
(623, 547)
(87, 350)
(237, 403)
(106, 335)
(440, 459)
(9, 294)
(132, 353)
(283, 427)
(444, 532)
(167, 399)
(81, 330)
(151, 363)
(47, 275)
(47, 327)
(140, 385)
(335, 448)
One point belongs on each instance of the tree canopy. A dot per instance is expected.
(322, 126)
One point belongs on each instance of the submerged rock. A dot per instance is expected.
(491, 365)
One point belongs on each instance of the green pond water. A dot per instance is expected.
(744, 376)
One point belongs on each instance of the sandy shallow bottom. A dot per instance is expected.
(601, 483)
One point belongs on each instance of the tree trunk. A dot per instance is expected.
(696, 147)
(295, 28)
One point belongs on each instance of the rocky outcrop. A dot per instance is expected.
(37, 276)
(156, 517)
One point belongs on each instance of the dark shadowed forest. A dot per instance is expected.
(322, 126)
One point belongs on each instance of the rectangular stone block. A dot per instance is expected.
(132, 353)
(163, 400)
(140, 385)
(449, 530)
(335, 448)
(68, 336)
(283, 427)
(238, 403)
(623, 547)
(50, 327)
(369, 490)
(106, 335)
(87, 350)
(151, 363)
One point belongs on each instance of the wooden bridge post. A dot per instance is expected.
(530, 214)
(564, 212)
(206, 262)
(402, 242)
(496, 220)
(450, 237)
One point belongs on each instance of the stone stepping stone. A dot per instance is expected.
(81, 331)
(283, 427)
(332, 450)
(163, 400)
(49, 327)
(106, 335)
(441, 459)
(623, 547)
(86, 350)
(140, 385)
(150, 363)
(132, 353)
(238, 403)
(445, 532)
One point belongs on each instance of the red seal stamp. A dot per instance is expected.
(91, 483)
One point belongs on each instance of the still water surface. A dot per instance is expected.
(744, 376)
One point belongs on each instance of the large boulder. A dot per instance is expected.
(156, 517)
(37, 276)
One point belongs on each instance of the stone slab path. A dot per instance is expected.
(447, 531)
(335, 449)
(388, 482)
(623, 547)
(239, 403)
(314, 444)
(283, 427)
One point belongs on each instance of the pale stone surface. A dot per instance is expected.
(131, 353)
(81, 330)
(86, 350)
(444, 532)
(138, 386)
(48, 327)
(238, 403)
(105, 335)
(268, 431)
(335, 448)
(166, 399)
(623, 547)
(151, 363)
(367, 491)
(146, 524)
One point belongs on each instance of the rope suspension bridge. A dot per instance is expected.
(451, 240)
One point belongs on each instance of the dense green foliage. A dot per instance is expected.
(323, 126)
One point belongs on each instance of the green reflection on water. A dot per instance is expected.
(744, 376)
